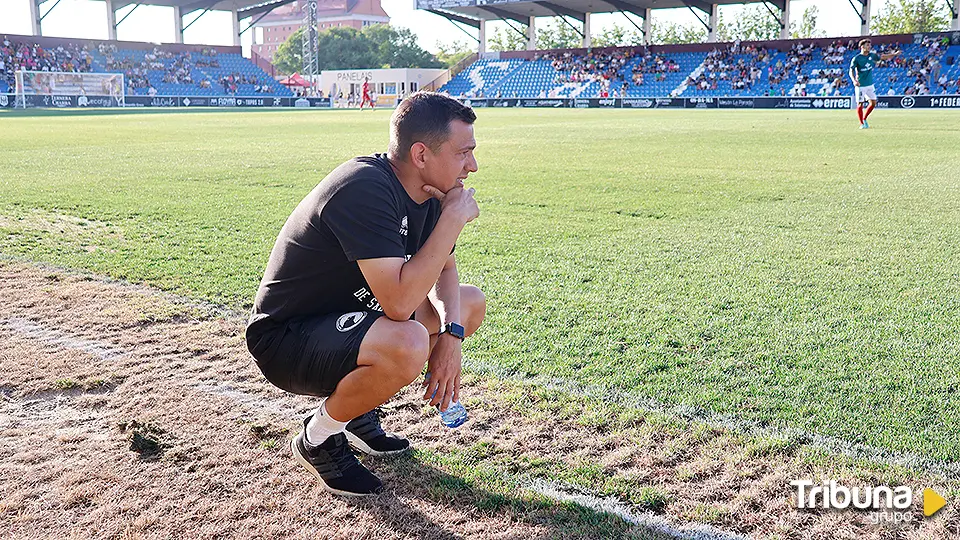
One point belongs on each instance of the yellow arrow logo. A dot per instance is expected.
(932, 502)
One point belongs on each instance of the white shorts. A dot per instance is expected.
(865, 93)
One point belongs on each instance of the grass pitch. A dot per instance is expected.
(779, 266)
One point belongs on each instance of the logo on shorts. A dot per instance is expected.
(403, 226)
(349, 321)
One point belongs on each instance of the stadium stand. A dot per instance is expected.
(789, 68)
(153, 70)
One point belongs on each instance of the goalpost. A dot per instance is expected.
(60, 83)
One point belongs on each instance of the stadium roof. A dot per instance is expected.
(521, 11)
(245, 8)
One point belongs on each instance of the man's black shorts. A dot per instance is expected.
(309, 355)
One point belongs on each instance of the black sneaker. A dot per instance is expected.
(334, 465)
(366, 435)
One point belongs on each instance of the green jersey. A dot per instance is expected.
(862, 66)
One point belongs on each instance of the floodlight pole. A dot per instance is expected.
(955, 15)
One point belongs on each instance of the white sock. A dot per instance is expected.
(322, 426)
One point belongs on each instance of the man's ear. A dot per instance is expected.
(418, 154)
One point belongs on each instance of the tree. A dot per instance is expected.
(396, 47)
(289, 57)
(451, 54)
(910, 16)
(558, 35)
(346, 48)
(753, 24)
(505, 39)
(617, 36)
(376, 46)
(672, 33)
(808, 25)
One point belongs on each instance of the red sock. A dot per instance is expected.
(860, 112)
(869, 110)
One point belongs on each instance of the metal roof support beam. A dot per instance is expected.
(783, 18)
(458, 27)
(135, 6)
(202, 13)
(699, 4)
(865, 19)
(504, 14)
(205, 5)
(954, 14)
(262, 9)
(514, 28)
(255, 21)
(704, 22)
(453, 17)
(563, 13)
(44, 16)
(635, 25)
(575, 29)
(625, 7)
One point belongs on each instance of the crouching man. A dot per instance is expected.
(361, 290)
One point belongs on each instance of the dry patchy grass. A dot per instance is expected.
(126, 413)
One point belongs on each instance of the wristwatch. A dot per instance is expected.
(453, 329)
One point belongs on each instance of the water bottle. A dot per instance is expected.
(454, 416)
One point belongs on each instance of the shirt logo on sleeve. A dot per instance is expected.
(403, 226)
(349, 321)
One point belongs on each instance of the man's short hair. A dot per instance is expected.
(863, 42)
(425, 117)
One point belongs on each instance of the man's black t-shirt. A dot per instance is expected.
(359, 211)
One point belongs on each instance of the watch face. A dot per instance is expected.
(456, 330)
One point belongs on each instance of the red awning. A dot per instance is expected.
(295, 80)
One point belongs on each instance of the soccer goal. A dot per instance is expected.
(59, 88)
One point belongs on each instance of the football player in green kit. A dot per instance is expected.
(861, 71)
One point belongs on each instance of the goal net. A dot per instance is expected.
(86, 87)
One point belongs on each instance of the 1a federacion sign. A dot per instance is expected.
(8, 101)
(746, 102)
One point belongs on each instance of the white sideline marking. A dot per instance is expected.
(611, 505)
(53, 336)
(260, 405)
(251, 401)
(833, 445)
